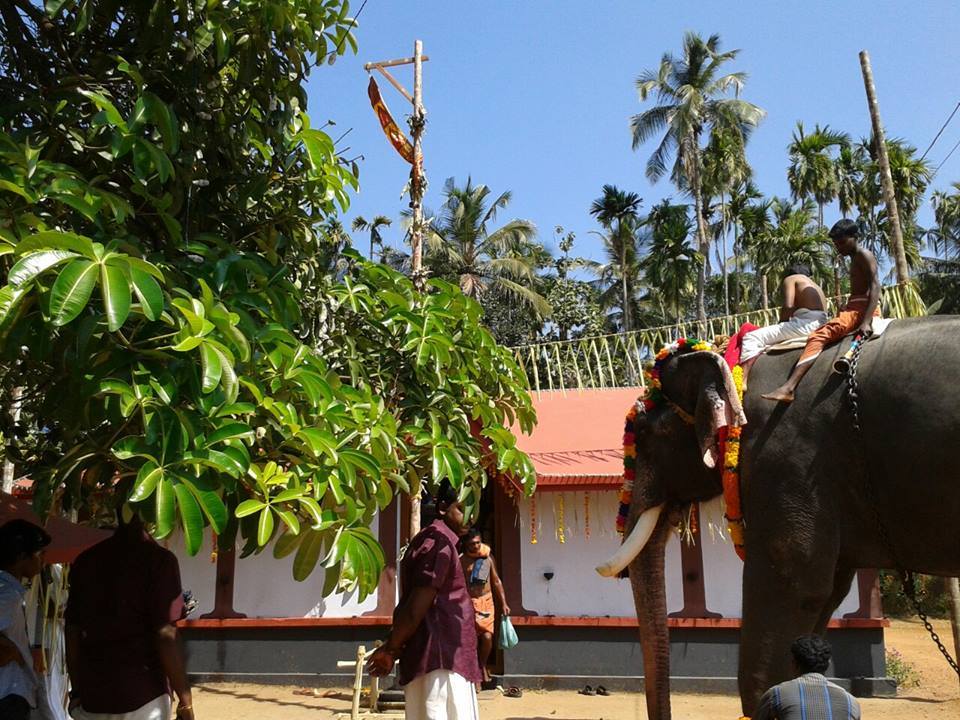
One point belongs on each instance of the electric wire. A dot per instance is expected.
(937, 136)
(353, 25)
(952, 150)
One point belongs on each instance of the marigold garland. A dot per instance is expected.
(731, 475)
(650, 400)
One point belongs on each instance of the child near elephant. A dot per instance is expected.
(856, 316)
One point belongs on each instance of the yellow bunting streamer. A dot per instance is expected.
(586, 515)
(533, 519)
(560, 531)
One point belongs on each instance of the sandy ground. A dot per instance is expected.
(938, 696)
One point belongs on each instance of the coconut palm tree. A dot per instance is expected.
(911, 176)
(946, 212)
(741, 197)
(461, 244)
(756, 227)
(617, 211)
(725, 167)
(361, 224)
(812, 173)
(672, 265)
(692, 99)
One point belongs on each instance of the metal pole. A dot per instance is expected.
(886, 180)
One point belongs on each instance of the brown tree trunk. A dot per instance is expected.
(692, 163)
(765, 298)
(650, 598)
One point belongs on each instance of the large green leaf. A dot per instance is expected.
(230, 431)
(265, 526)
(57, 240)
(286, 544)
(212, 367)
(109, 109)
(30, 266)
(147, 479)
(71, 291)
(210, 503)
(166, 508)
(116, 295)
(308, 554)
(190, 517)
(148, 292)
(165, 120)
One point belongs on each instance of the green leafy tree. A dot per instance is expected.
(167, 220)
(462, 246)
(692, 99)
(946, 213)
(617, 211)
(911, 176)
(673, 263)
(576, 304)
(813, 173)
(725, 169)
(741, 198)
(792, 236)
(361, 224)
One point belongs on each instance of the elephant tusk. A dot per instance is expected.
(634, 543)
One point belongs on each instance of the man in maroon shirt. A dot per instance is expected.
(122, 652)
(433, 633)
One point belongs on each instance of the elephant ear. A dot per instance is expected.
(717, 404)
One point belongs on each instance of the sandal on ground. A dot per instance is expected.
(587, 690)
(512, 692)
(601, 690)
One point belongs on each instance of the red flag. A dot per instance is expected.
(389, 125)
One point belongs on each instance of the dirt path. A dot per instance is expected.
(937, 696)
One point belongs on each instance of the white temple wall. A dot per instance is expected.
(264, 586)
(577, 590)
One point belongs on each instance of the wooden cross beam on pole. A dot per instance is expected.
(418, 183)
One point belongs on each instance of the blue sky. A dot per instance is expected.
(535, 97)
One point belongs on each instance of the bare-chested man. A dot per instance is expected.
(486, 590)
(858, 314)
(802, 312)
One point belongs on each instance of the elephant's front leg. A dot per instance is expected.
(784, 594)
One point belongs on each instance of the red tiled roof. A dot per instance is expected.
(578, 439)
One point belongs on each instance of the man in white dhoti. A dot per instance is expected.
(433, 632)
(803, 311)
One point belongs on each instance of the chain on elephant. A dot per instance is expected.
(907, 578)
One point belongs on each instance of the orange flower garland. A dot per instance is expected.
(731, 475)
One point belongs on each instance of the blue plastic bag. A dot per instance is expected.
(508, 636)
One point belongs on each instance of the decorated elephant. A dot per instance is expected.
(818, 499)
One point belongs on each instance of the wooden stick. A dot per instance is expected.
(393, 63)
(357, 682)
(393, 81)
(886, 181)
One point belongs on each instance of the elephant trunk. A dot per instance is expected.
(650, 597)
